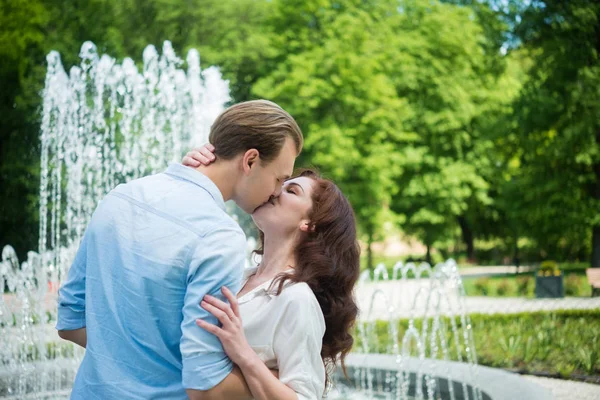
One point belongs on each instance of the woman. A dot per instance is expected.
(295, 310)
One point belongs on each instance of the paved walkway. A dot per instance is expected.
(495, 270)
(567, 390)
(382, 300)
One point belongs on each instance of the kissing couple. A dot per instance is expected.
(158, 293)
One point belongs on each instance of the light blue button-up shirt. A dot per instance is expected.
(154, 247)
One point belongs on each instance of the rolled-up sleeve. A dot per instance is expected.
(218, 261)
(297, 345)
(71, 296)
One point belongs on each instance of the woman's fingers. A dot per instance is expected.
(189, 161)
(198, 156)
(202, 159)
(232, 300)
(221, 315)
(215, 330)
(221, 305)
(206, 152)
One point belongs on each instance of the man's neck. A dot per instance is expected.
(223, 174)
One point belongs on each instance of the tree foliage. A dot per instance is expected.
(447, 119)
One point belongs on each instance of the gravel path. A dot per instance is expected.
(567, 390)
(494, 270)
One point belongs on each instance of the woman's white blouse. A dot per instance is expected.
(286, 331)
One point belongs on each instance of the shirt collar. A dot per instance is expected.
(197, 178)
(262, 289)
(248, 272)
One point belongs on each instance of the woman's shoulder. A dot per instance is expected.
(299, 298)
(293, 291)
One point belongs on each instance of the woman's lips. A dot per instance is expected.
(268, 203)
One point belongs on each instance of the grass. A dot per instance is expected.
(557, 343)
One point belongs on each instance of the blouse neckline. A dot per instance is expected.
(260, 290)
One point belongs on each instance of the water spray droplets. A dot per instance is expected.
(103, 123)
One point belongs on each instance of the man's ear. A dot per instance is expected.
(250, 159)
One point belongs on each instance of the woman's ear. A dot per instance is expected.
(307, 226)
(249, 159)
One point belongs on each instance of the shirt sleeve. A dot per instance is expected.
(297, 346)
(71, 296)
(218, 261)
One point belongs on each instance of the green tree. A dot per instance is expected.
(558, 126)
(334, 82)
(442, 67)
(22, 34)
(227, 33)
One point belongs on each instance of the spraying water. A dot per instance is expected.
(427, 325)
(103, 123)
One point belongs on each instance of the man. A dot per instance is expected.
(154, 247)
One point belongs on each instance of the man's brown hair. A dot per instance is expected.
(256, 124)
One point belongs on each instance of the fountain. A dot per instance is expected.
(104, 123)
(426, 350)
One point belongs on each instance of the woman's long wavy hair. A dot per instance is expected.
(328, 261)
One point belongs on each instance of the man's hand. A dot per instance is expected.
(77, 336)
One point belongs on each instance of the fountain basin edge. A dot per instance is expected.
(494, 383)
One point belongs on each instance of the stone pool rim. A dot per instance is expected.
(497, 383)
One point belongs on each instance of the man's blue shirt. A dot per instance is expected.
(154, 247)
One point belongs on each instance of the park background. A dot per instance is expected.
(457, 129)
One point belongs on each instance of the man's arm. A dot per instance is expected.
(71, 299)
(218, 260)
(77, 336)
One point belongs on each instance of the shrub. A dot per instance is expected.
(506, 287)
(483, 286)
(549, 268)
(577, 285)
(574, 266)
(525, 285)
(561, 343)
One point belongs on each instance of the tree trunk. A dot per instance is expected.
(428, 255)
(596, 191)
(467, 236)
(370, 251)
(596, 228)
(596, 247)
(516, 260)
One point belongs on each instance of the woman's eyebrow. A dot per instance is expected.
(296, 184)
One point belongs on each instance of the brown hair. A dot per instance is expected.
(328, 260)
(256, 124)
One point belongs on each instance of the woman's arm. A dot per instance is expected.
(262, 383)
(233, 387)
